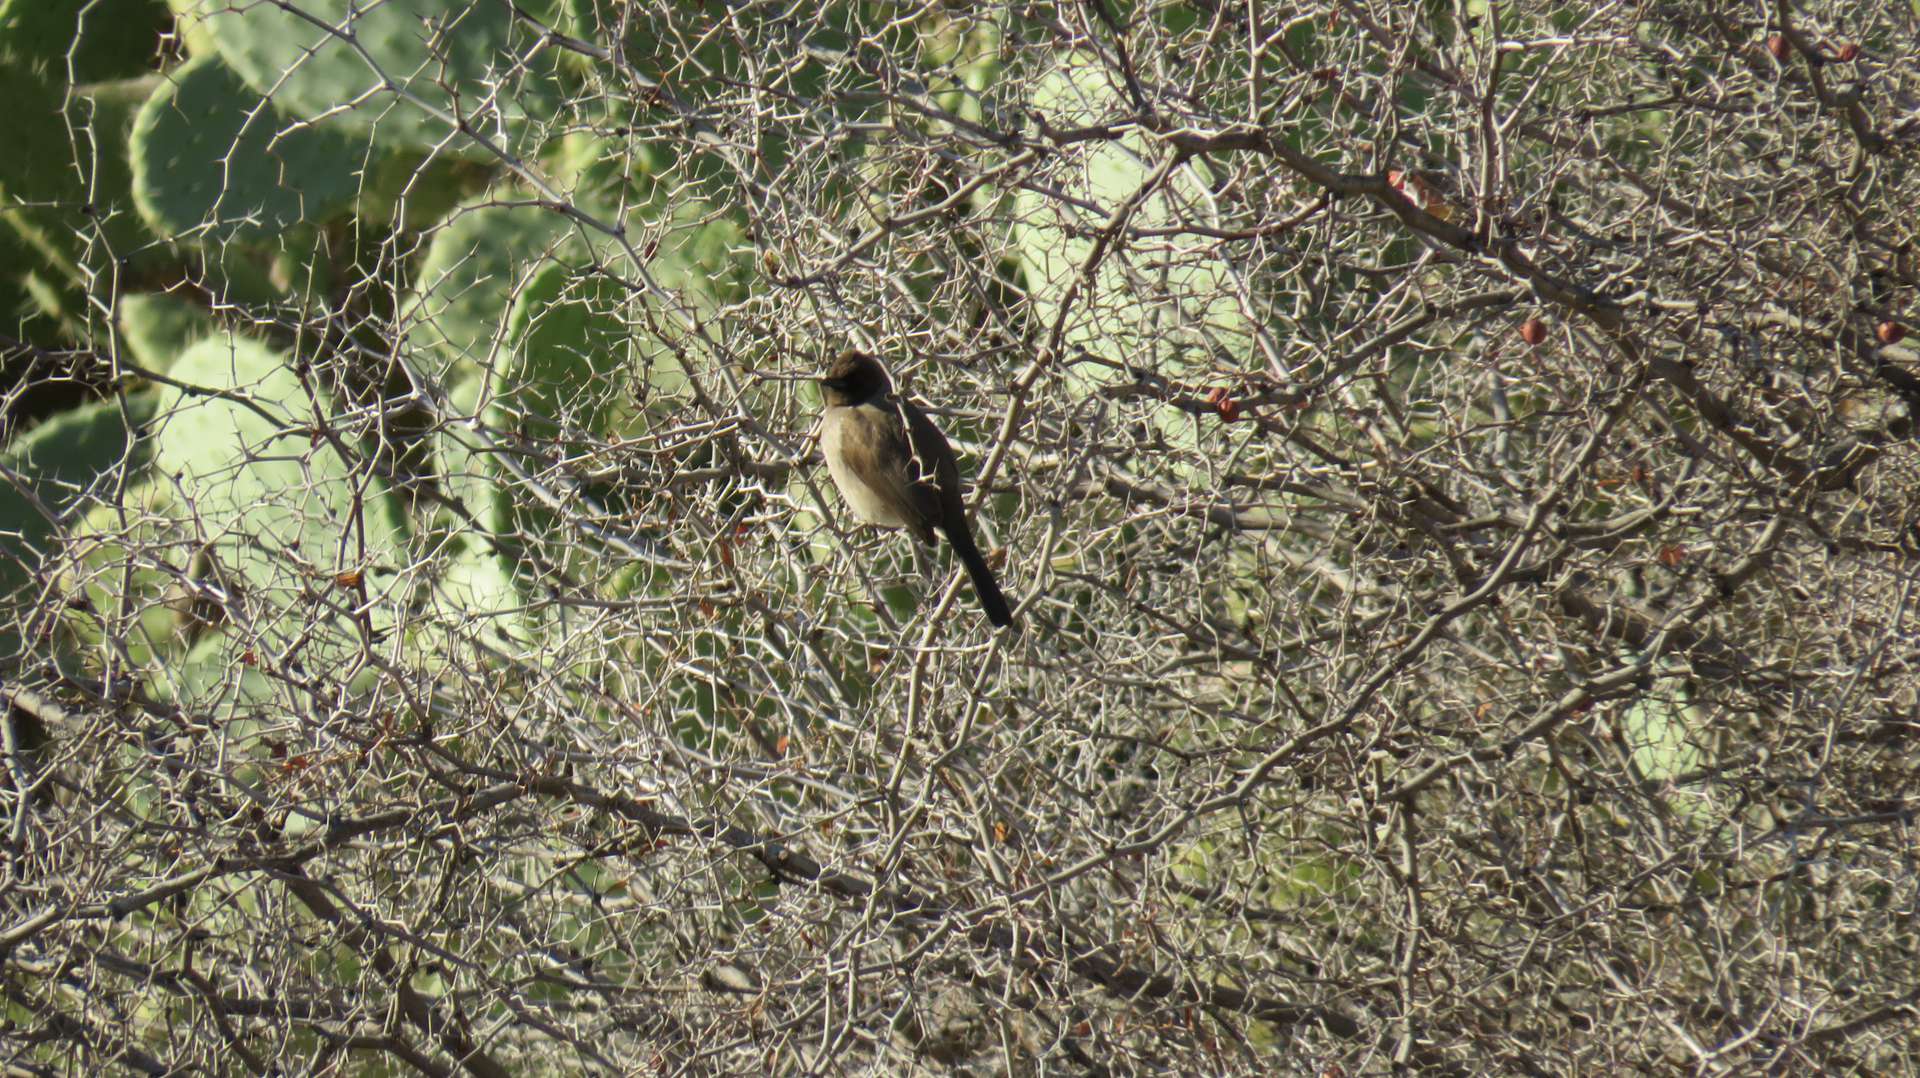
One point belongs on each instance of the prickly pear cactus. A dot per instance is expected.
(62, 205)
(61, 460)
(288, 517)
(476, 265)
(437, 68)
(548, 346)
(82, 42)
(157, 327)
(569, 369)
(1160, 309)
(212, 159)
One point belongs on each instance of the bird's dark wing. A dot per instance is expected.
(934, 463)
(941, 473)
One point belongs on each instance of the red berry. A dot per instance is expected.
(1890, 332)
(1847, 52)
(1533, 331)
(1777, 45)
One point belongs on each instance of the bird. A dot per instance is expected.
(894, 468)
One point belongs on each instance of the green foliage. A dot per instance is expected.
(65, 188)
(82, 40)
(114, 572)
(1662, 731)
(158, 326)
(478, 572)
(63, 183)
(565, 379)
(478, 581)
(214, 678)
(55, 466)
(568, 368)
(18, 308)
(516, 309)
(52, 304)
(38, 164)
(444, 59)
(1161, 310)
(211, 158)
(283, 510)
(476, 265)
(60, 461)
(249, 145)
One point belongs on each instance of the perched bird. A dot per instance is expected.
(894, 467)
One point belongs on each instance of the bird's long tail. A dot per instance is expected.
(991, 600)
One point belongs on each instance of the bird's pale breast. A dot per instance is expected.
(869, 504)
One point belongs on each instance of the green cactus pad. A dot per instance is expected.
(64, 185)
(157, 328)
(62, 462)
(211, 158)
(457, 59)
(517, 315)
(285, 511)
(1189, 306)
(475, 267)
(478, 579)
(565, 382)
(79, 42)
(569, 363)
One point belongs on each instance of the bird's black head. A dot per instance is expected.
(854, 377)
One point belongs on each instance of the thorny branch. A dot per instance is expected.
(1452, 466)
